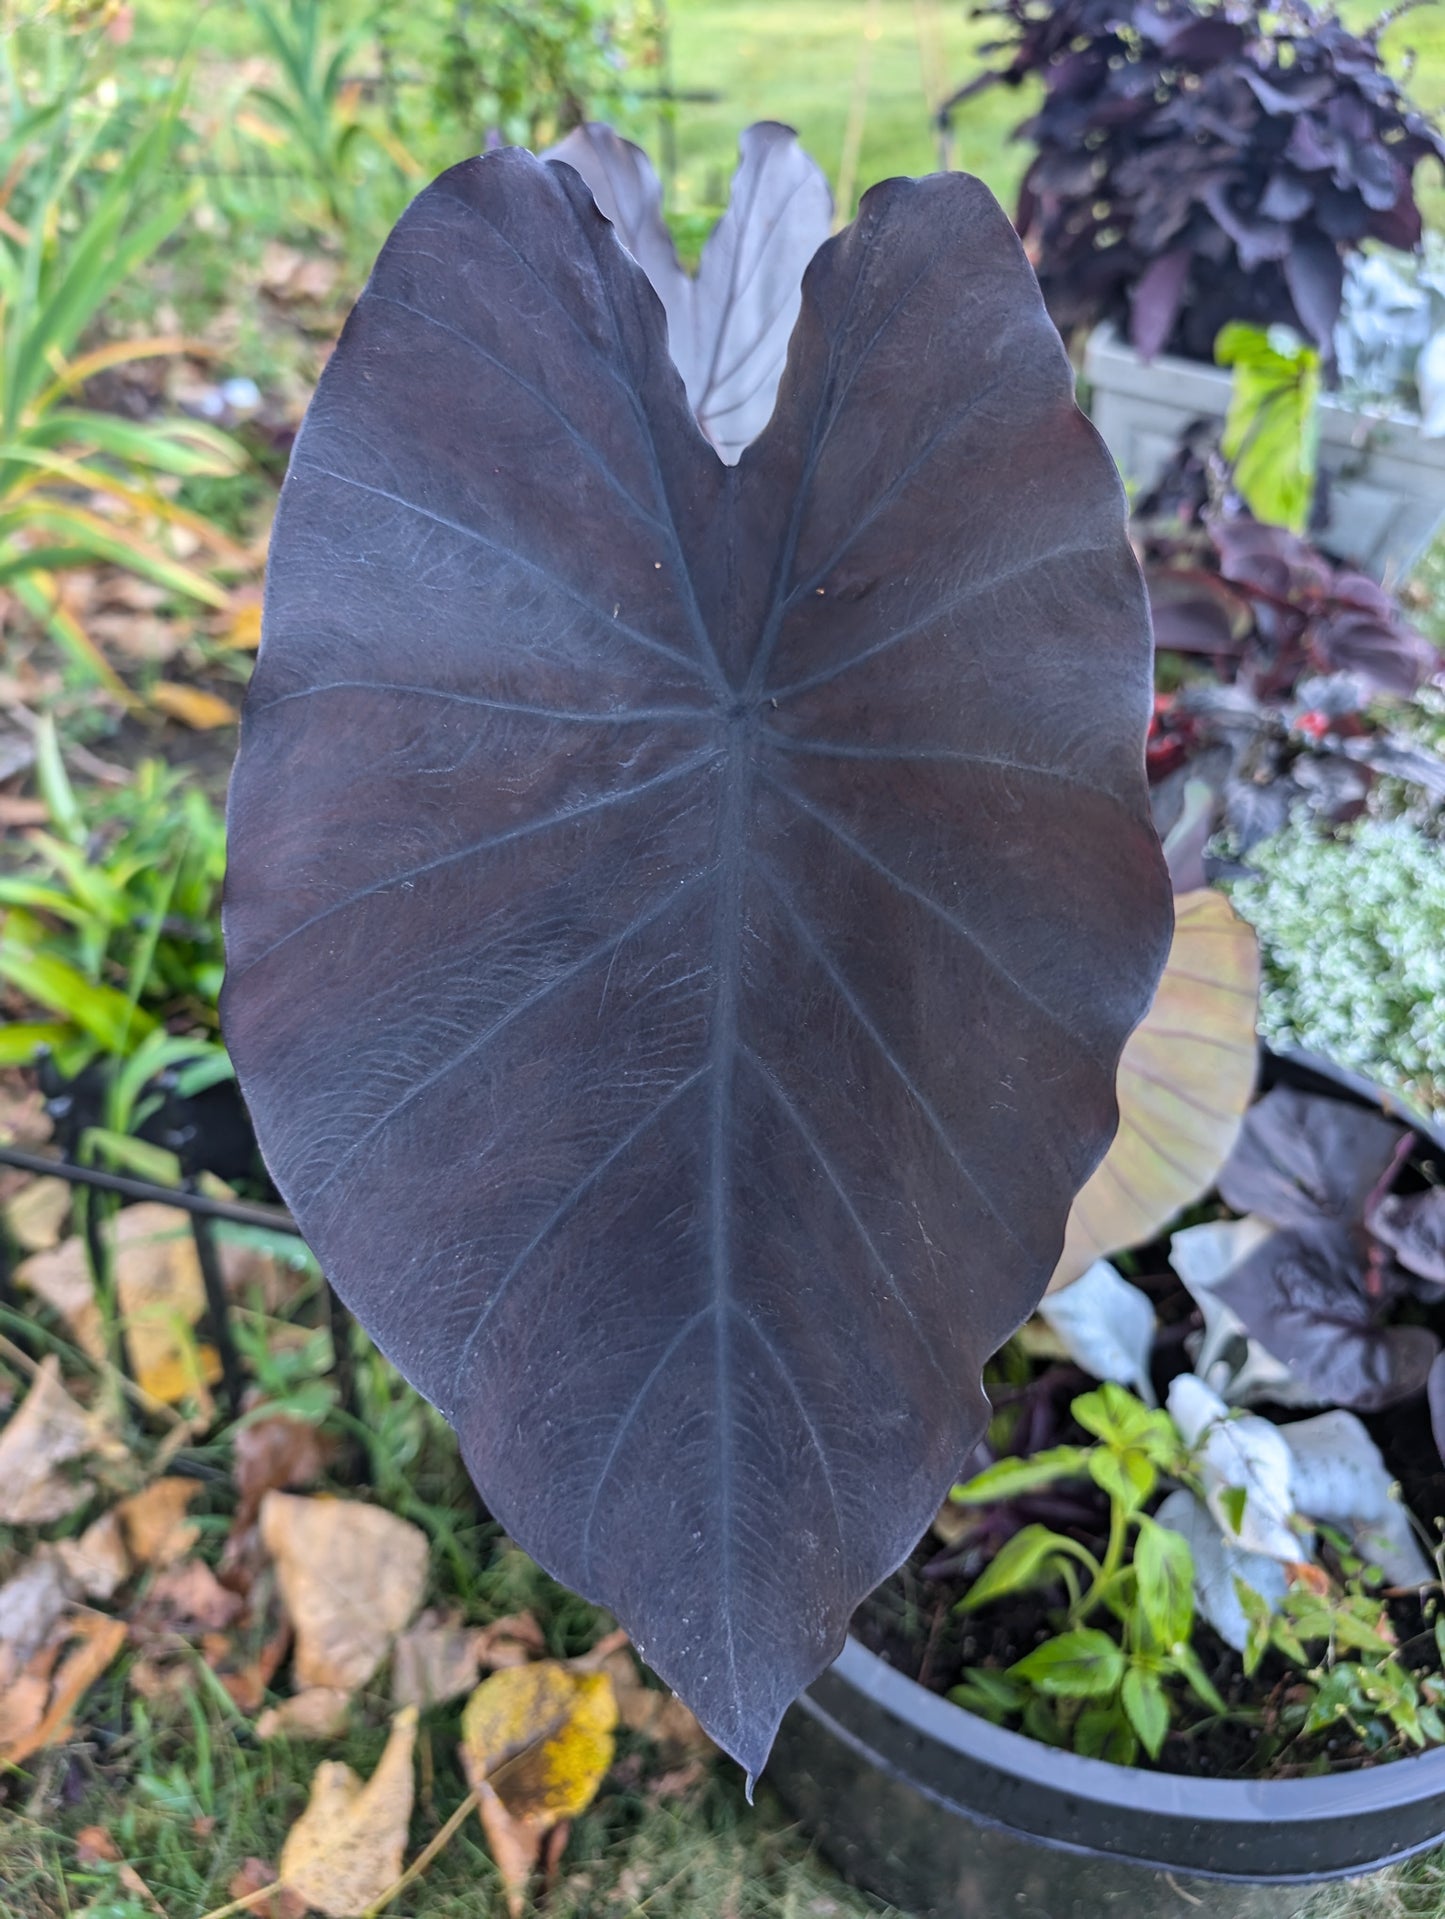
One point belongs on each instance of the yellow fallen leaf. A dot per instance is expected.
(346, 1849)
(243, 622)
(160, 1292)
(192, 706)
(155, 1524)
(536, 1743)
(36, 1214)
(1184, 1085)
(351, 1577)
(42, 1442)
(541, 1737)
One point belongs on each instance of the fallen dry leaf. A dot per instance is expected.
(515, 1844)
(242, 626)
(275, 1454)
(45, 1438)
(254, 1876)
(290, 275)
(192, 706)
(183, 1604)
(318, 1713)
(351, 1575)
(347, 1847)
(189, 1599)
(155, 1524)
(654, 1714)
(515, 1640)
(98, 1562)
(98, 1639)
(536, 1743)
(434, 1660)
(36, 1214)
(158, 1284)
(32, 1600)
(94, 1847)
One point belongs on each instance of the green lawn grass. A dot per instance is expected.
(815, 63)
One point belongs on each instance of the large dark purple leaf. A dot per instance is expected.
(1301, 1295)
(1301, 1158)
(683, 919)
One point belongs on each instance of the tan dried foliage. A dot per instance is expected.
(352, 1576)
(346, 1849)
(41, 1446)
(154, 1521)
(159, 1289)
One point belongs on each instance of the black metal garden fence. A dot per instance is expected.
(203, 1213)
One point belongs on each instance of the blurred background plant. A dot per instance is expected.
(110, 920)
(87, 202)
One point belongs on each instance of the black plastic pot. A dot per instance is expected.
(952, 1818)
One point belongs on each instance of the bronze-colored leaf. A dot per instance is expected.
(1185, 1081)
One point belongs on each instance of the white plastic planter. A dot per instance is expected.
(1387, 493)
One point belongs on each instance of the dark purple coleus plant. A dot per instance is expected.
(1200, 161)
(1317, 1293)
(683, 917)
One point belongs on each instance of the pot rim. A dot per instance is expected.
(1100, 1782)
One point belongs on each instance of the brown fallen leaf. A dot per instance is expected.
(515, 1844)
(536, 1743)
(247, 1658)
(275, 1454)
(351, 1575)
(39, 1449)
(346, 1849)
(193, 706)
(434, 1660)
(320, 1712)
(515, 1640)
(654, 1714)
(158, 1284)
(154, 1521)
(97, 1641)
(36, 1214)
(183, 1603)
(32, 1600)
(189, 1599)
(94, 1847)
(98, 1562)
(254, 1876)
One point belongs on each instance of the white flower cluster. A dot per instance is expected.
(1352, 935)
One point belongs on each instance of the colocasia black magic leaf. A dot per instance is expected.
(683, 918)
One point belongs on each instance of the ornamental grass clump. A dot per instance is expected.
(1352, 933)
